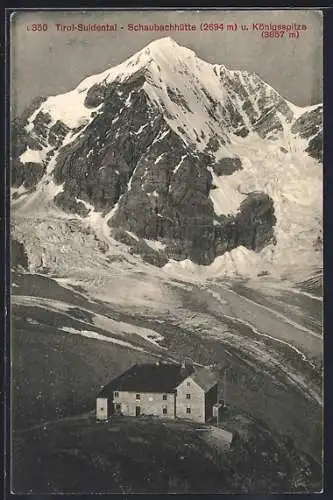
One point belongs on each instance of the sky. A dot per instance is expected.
(53, 61)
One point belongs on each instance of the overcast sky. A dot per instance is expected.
(53, 62)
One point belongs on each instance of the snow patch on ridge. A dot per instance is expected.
(226, 197)
(132, 235)
(155, 245)
(69, 108)
(97, 336)
(179, 164)
(32, 156)
(298, 110)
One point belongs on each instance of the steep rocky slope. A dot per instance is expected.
(194, 158)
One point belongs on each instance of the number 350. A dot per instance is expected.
(37, 27)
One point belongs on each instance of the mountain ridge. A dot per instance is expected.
(158, 144)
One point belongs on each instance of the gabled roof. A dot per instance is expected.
(161, 378)
(204, 378)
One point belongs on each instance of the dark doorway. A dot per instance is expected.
(117, 408)
(137, 411)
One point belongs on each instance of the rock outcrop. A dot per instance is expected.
(143, 143)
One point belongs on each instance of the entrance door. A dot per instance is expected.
(137, 411)
(117, 408)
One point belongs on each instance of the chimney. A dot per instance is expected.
(185, 367)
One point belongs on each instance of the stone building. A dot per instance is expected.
(162, 389)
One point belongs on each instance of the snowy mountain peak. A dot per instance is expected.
(143, 143)
(168, 48)
(165, 43)
(164, 49)
(199, 100)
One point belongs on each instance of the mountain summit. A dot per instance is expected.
(181, 159)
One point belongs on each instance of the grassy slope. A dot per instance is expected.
(56, 374)
(146, 454)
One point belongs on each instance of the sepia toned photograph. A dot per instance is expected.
(166, 192)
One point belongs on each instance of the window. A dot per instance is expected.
(188, 396)
(165, 411)
(165, 397)
(188, 383)
(116, 394)
(137, 396)
(188, 410)
(118, 406)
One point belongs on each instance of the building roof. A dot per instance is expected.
(162, 378)
(204, 378)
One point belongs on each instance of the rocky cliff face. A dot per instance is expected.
(153, 145)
